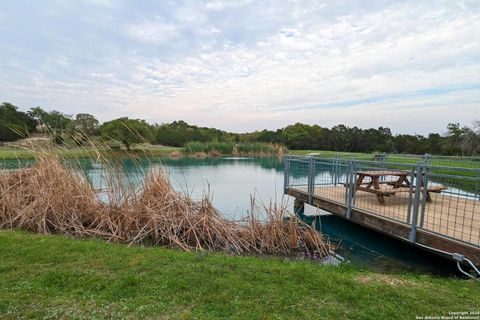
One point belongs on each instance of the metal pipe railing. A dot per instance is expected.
(452, 212)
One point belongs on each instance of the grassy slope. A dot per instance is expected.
(55, 277)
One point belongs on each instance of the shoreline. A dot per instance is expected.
(171, 152)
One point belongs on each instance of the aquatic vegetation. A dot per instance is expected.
(53, 197)
(215, 148)
(208, 147)
(261, 148)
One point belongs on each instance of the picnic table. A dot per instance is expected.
(370, 181)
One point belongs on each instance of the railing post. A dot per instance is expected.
(426, 159)
(383, 159)
(347, 181)
(336, 170)
(350, 190)
(425, 194)
(410, 195)
(286, 174)
(311, 179)
(413, 228)
(477, 187)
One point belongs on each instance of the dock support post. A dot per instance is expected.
(412, 236)
(297, 206)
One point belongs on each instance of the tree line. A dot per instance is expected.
(16, 124)
(457, 140)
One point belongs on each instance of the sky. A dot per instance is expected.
(246, 65)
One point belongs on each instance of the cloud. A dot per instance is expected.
(101, 3)
(152, 32)
(249, 65)
(328, 64)
(223, 5)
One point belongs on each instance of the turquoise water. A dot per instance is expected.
(230, 183)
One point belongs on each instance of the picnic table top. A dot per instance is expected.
(381, 173)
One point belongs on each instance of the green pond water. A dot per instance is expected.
(230, 183)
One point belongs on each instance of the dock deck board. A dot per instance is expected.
(453, 216)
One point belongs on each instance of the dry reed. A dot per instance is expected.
(52, 197)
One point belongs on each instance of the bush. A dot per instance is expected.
(127, 131)
(256, 147)
(221, 147)
(195, 147)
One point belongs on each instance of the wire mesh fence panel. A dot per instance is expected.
(360, 156)
(330, 179)
(440, 199)
(451, 203)
(383, 189)
(296, 171)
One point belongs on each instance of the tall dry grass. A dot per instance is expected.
(52, 197)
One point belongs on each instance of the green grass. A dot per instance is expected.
(50, 277)
(332, 154)
(17, 153)
(440, 166)
(396, 158)
(221, 147)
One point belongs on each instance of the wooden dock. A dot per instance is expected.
(450, 223)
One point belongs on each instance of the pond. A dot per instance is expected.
(231, 183)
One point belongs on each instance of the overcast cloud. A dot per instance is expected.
(246, 65)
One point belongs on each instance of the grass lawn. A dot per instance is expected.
(328, 154)
(398, 158)
(13, 153)
(57, 277)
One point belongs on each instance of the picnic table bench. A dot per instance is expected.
(369, 181)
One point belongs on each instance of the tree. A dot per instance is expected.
(301, 136)
(470, 144)
(84, 126)
(53, 121)
(434, 143)
(14, 124)
(127, 131)
(58, 121)
(178, 133)
(454, 139)
(38, 114)
(85, 123)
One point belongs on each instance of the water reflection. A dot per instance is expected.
(230, 182)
